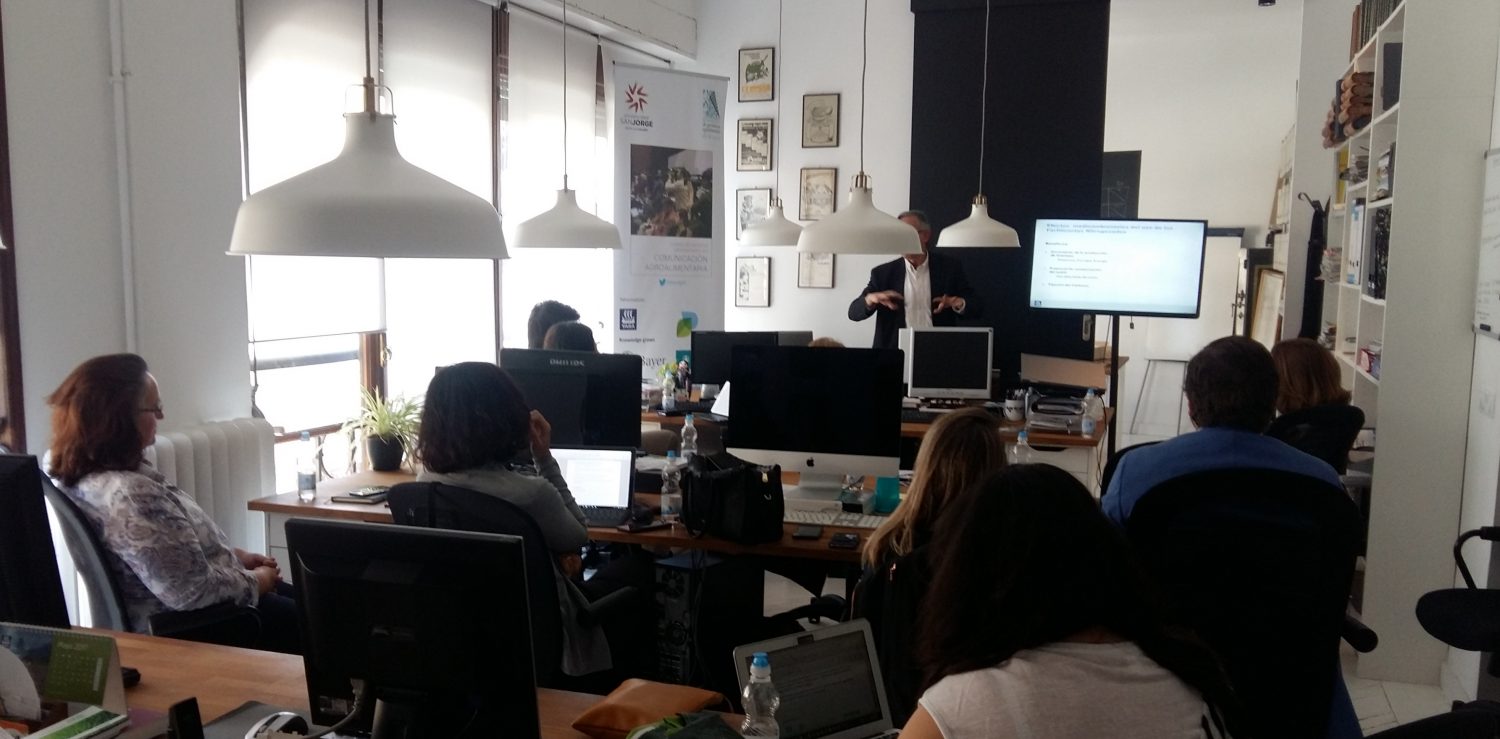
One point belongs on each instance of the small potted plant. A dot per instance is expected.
(388, 426)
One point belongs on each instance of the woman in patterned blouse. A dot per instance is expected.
(168, 555)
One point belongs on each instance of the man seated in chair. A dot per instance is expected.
(1231, 396)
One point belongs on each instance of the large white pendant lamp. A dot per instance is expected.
(566, 225)
(368, 202)
(859, 227)
(979, 229)
(775, 229)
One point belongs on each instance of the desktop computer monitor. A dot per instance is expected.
(433, 623)
(824, 413)
(949, 362)
(30, 588)
(711, 350)
(590, 399)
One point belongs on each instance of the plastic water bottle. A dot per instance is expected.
(1093, 413)
(671, 488)
(669, 392)
(689, 444)
(307, 470)
(761, 700)
(1021, 451)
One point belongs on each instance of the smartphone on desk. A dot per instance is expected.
(369, 495)
(843, 541)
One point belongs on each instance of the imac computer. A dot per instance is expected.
(949, 363)
(825, 413)
(31, 590)
(590, 399)
(431, 624)
(711, 350)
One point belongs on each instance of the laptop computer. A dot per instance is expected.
(829, 681)
(602, 480)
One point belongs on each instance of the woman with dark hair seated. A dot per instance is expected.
(167, 554)
(570, 336)
(1307, 376)
(1048, 628)
(475, 422)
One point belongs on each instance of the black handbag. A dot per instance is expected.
(730, 498)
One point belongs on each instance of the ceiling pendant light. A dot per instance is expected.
(775, 229)
(859, 227)
(979, 229)
(368, 202)
(566, 225)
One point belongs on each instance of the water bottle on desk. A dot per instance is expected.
(761, 700)
(689, 444)
(1021, 451)
(307, 470)
(1093, 413)
(671, 488)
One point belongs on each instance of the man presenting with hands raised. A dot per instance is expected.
(916, 291)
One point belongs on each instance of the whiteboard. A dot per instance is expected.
(1180, 338)
(1487, 290)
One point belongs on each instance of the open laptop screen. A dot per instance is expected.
(597, 477)
(827, 686)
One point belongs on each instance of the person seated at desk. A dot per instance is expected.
(543, 316)
(474, 422)
(167, 554)
(1048, 629)
(959, 450)
(570, 336)
(919, 290)
(1307, 376)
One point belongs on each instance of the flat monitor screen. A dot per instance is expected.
(1118, 267)
(434, 622)
(711, 352)
(949, 362)
(819, 410)
(589, 399)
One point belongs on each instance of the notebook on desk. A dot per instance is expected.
(829, 681)
(602, 480)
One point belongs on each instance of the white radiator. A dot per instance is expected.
(223, 466)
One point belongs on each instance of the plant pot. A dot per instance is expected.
(385, 453)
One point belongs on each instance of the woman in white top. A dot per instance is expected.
(1047, 628)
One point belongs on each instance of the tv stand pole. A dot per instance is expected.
(1114, 383)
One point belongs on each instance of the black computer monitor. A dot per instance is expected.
(823, 412)
(589, 399)
(711, 350)
(30, 588)
(434, 622)
(949, 362)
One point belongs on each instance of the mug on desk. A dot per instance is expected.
(1015, 409)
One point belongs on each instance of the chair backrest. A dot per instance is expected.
(1326, 432)
(30, 587)
(435, 505)
(90, 559)
(1259, 563)
(1114, 461)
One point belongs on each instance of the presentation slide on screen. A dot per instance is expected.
(1122, 267)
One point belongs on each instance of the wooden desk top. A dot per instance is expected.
(917, 430)
(223, 678)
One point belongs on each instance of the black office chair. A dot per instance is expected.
(1114, 462)
(1326, 432)
(1259, 563)
(224, 623)
(435, 505)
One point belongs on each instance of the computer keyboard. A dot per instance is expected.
(916, 415)
(833, 518)
(604, 516)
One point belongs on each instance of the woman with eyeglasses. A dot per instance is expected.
(167, 554)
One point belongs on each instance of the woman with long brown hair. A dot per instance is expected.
(168, 555)
(1307, 376)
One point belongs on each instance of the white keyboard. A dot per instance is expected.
(833, 518)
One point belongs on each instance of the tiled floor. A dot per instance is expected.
(1379, 705)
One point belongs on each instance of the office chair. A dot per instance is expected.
(1326, 432)
(223, 623)
(658, 442)
(1114, 462)
(435, 505)
(1259, 563)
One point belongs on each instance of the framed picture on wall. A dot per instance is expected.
(757, 75)
(819, 187)
(754, 145)
(750, 206)
(820, 120)
(814, 270)
(752, 282)
(1265, 319)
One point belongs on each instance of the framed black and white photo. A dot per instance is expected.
(814, 270)
(751, 205)
(820, 120)
(757, 75)
(818, 192)
(752, 282)
(754, 145)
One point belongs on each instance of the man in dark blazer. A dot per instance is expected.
(918, 290)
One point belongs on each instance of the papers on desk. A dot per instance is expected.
(56, 683)
(650, 463)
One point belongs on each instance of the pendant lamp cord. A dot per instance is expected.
(864, 61)
(780, 7)
(565, 91)
(984, 91)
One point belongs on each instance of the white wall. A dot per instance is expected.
(820, 52)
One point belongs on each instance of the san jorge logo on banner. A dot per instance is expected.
(636, 100)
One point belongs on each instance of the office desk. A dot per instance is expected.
(223, 678)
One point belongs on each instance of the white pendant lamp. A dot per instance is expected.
(979, 229)
(368, 202)
(566, 225)
(775, 229)
(859, 227)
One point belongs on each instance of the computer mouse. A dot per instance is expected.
(280, 723)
